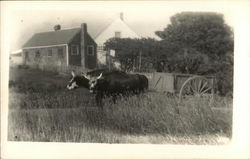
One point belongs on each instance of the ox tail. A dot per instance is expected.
(145, 82)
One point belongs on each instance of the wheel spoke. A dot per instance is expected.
(191, 89)
(199, 86)
(203, 86)
(206, 90)
(195, 85)
(194, 90)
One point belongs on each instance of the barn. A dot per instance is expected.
(61, 49)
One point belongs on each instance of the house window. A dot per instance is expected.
(49, 52)
(60, 53)
(26, 56)
(37, 54)
(90, 50)
(100, 48)
(74, 50)
(118, 34)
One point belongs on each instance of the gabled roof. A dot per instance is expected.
(52, 38)
(116, 25)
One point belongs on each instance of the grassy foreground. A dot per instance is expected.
(41, 109)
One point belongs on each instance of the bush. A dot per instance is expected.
(23, 66)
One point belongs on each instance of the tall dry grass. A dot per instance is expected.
(53, 114)
(56, 118)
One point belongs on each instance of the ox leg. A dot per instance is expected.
(114, 97)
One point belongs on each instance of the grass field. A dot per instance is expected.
(41, 109)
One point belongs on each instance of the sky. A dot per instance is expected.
(144, 18)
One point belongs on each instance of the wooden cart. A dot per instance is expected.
(182, 84)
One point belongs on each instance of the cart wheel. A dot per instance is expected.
(197, 86)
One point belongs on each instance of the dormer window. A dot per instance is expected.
(117, 34)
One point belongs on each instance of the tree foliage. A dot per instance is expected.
(205, 32)
(129, 51)
(206, 40)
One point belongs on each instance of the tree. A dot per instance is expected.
(205, 32)
(130, 51)
(225, 75)
(207, 42)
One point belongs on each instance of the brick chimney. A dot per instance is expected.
(57, 27)
(83, 42)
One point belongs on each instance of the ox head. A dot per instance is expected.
(77, 81)
(95, 82)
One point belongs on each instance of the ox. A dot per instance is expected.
(83, 79)
(116, 83)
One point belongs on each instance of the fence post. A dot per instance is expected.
(109, 62)
(134, 65)
(140, 61)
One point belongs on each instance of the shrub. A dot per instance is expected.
(23, 66)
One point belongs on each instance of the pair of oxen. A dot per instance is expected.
(105, 83)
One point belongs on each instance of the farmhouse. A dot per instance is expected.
(119, 29)
(61, 49)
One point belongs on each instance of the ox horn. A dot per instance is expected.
(85, 75)
(73, 74)
(99, 76)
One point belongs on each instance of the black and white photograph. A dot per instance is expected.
(122, 73)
